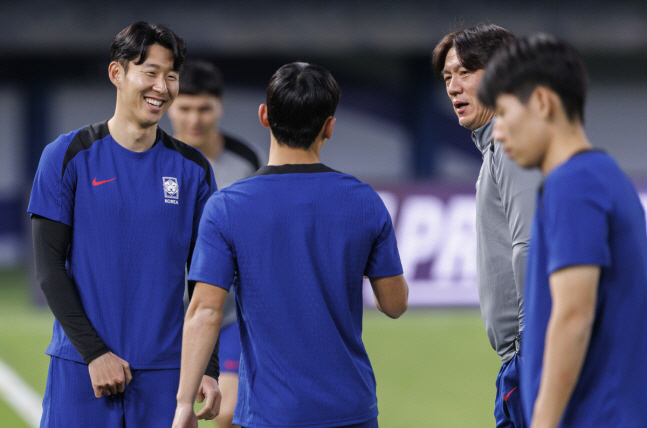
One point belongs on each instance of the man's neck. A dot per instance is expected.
(130, 135)
(563, 146)
(280, 154)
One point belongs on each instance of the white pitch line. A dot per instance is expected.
(15, 392)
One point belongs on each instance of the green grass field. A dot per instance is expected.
(434, 368)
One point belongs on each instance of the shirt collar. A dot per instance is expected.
(294, 168)
(482, 136)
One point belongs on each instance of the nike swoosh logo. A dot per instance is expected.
(508, 394)
(99, 183)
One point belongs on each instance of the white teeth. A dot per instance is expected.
(153, 102)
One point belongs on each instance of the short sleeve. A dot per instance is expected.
(577, 230)
(52, 195)
(213, 259)
(206, 189)
(384, 259)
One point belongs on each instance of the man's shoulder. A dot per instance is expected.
(345, 182)
(590, 175)
(356, 190)
(242, 149)
(585, 167)
(184, 149)
(66, 146)
(190, 153)
(84, 137)
(272, 176)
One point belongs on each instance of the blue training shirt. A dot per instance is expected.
(300, 238)
(134, 218)
(589, 213)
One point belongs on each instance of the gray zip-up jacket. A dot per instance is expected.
(505, 206)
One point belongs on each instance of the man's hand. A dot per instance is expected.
(109, 374)
(209, 392)
(184, 416)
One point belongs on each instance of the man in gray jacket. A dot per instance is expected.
(505, 204)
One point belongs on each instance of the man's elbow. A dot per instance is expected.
(391, 295)
(48, 279)
(395, 307)
(203, 315)
(211, 316)
(396, 310)
(579, 323)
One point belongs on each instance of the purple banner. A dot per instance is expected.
(435, 229)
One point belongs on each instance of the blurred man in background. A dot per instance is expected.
(504, 208)
(115, 210)
(299, 237)
(586, 319)
(195, 116)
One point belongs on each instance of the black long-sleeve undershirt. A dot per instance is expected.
(51, 242)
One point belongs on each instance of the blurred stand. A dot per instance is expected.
(395, 126)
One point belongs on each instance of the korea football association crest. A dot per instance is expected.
(171, 190)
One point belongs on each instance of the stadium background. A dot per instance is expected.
(395, 129)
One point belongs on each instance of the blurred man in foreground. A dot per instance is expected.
(586, 289)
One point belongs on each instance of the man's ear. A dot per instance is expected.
(545, 101)
(328, 127)
(262, 115)
(115, 73)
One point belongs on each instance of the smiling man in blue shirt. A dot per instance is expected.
(115, 211)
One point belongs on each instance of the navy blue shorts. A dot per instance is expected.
(508, 410)
(368, 424)
(69, 402)
(229, 353)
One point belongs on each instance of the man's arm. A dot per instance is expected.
(206, 189)
(573, 291)
(518, 191)
(201, 328)
(109, 373)
(391, 294)
(209, 388)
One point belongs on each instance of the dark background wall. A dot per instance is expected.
(395, 123)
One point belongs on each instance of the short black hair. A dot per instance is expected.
(538, 60)
(201, 77)
(474, 46)
(300, 97)
(133, 41)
